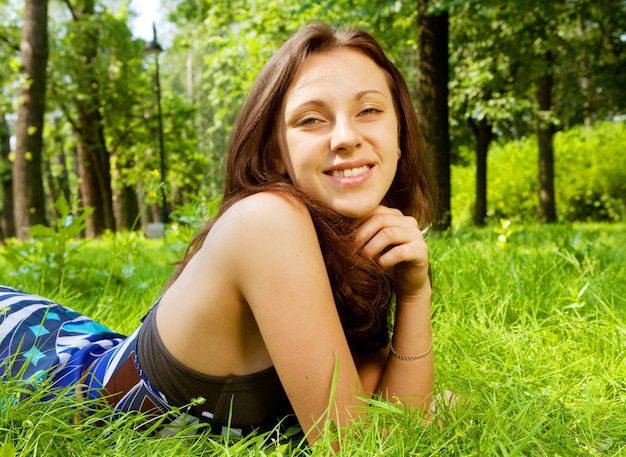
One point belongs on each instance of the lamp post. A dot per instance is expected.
(155, 48)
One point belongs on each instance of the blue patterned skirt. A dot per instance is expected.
(42, 340)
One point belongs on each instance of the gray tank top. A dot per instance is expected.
(258, 400)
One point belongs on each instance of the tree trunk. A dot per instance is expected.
(94, 171)
(58, 182)
(483, 133)
(545, 134)
(75, 162)
(94, 158)
(583, 63)
(53, 189)
(144, 212)
(60, 162)
(432, 101)
(127, 209)
(28, 191)
(7, 219)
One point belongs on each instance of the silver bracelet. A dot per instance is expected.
(414, 357)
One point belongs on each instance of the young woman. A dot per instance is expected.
(290, 288)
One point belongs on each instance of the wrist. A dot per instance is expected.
(411, 358)
(413, 311)
(418, 297)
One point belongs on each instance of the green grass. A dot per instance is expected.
(530, 332)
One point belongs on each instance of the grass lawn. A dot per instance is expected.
(529, 325)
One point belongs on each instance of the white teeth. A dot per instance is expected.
(350, 171)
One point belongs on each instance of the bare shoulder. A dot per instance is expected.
(270, 206)
(267, 216)
(249, 254)
(260, 230)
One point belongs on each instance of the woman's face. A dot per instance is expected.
(339, 132)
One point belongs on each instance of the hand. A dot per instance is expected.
(395, 240)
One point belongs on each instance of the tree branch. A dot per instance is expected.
(71, 8)
(10, 42)
(473, 126)
(64, 109)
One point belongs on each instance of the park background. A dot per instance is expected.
(522, 107)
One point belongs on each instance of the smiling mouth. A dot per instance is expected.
(349, 172)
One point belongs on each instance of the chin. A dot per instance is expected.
(354, 208)
(360, 213)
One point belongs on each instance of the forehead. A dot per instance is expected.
(338, 71)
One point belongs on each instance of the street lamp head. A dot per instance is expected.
(153, 47)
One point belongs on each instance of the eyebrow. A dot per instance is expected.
(358, 96)
(363, 93)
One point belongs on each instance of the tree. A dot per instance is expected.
(590, 78)
(93, 155)
(483, 132)
(566, 56)
(432, 99)
(534, 67)
(7, 221)
(540, 34)
(9, 71)
(28, 191)
(102, 89)
(480, 89)
(545, 139)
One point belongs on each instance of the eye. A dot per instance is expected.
(370, 111)
(308, 122)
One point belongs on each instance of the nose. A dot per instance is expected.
(345, 137)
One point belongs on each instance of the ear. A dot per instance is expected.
(399, 153)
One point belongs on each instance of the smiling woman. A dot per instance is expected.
(281, 304)
(341, 132)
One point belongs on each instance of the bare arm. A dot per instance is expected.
(280, 272)
(400, 241)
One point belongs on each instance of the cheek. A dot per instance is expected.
(295, 170)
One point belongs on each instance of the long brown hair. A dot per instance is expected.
(362, 291)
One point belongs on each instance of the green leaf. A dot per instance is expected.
(41, 231)
(7, 450)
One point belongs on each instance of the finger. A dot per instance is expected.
(385, 228)
(382, 217)
(386, 238)
(398, 245)
(414, 252)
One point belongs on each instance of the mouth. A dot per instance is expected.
(349, 172)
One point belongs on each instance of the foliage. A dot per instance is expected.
(593, 186)
(193, 215)
(590, 169)
(51, 255)
(9, 44)
(120, 79)
(483, 83)
(516, 66)
(97, 84)
(529, 334)
(58, 261)
(498, 52)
